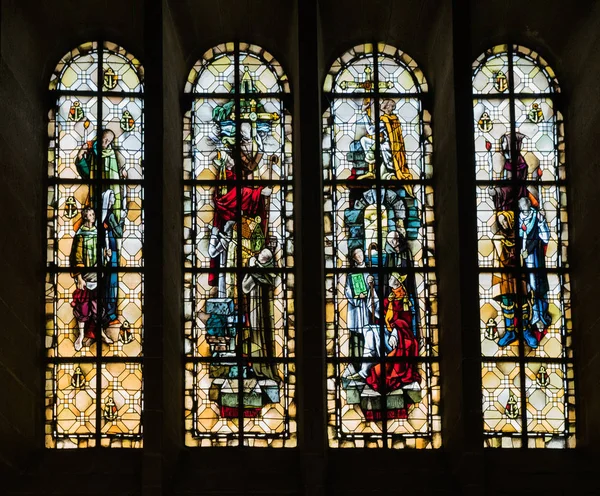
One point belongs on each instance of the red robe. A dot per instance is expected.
(253, 204)
(397, 374)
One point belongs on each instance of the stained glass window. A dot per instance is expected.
(95, 230)
(381, 289)
(238, 251)
(522, 230)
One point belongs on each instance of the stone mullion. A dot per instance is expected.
(152, 459)
(309, 254)
(469, 464)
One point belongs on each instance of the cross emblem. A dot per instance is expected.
(368, 84)
(252, 116)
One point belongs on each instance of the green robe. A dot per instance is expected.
(110, 170)
(84, 254)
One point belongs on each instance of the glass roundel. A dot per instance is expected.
(95, 263)
(522, 232)
(381, 288)
(239, 251)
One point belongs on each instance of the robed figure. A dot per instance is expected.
(391, 143)
(507, 197)
(259, 338)
(510, 289)
(399, 342)
(113, 236)
(94, 159)
(88, 164)
(397, 255)
(240, 223)
(534, 235)
(363, 305)
(88, 313)
(252, 199)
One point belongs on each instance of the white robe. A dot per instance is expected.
(360, 310)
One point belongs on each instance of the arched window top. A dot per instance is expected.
(94, 286)
(78, 70)
(502, 65)
(356, 72)
(239, 290)
(522, 232)
(379, 253)
(258, 71)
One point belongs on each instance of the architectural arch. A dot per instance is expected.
(239, 251)
(522, 231)
(381, 322)
(95, 261)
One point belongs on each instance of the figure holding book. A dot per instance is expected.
(363, 304)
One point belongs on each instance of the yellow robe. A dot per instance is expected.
(394, 132)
